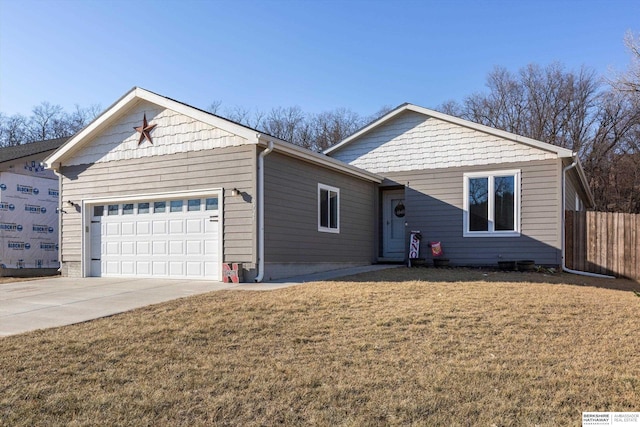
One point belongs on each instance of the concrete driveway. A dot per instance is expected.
(58, 301)
(45, 303)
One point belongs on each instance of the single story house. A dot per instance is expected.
(28, 216)
(163, 189)
(487, 195)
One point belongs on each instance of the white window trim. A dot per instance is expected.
(320, 227)
(87, 209)
(516, 173)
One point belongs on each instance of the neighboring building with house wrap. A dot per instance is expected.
(28, 210)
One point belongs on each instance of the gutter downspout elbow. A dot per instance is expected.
(264, 154)
(562, 226)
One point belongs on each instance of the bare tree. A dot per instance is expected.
(13, 130)
(332, 127)
(286, 123)
(81, 117)
(629, 81)
(572, 110)
(214, 107)
(46, 122)
(548, 104)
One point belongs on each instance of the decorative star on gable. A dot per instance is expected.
(145, 130)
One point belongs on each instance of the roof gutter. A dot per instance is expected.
(264, 153)
(562, 226)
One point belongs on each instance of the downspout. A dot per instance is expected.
(264, 153)
(562, 226)
(59, 175)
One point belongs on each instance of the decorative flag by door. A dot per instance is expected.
(414, 245)
(436, 249)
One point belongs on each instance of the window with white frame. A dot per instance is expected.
(328, 209)
(492, 204)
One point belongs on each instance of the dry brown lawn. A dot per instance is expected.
(402, 347)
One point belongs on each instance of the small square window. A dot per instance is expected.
(143, 208)
(211, 204)
(112, 210)
(159, 207)
(98, 210)
(176, 206)
(127, 209)
(193, 205)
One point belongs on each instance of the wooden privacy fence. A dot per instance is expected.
(603, 242)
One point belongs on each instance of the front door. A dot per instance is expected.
(393, 225)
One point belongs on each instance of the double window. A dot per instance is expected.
(492, 204)
(328, 209)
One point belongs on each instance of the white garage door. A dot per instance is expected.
(174, 238)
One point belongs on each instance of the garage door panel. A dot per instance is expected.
(143, 248)
(194, 247)
(160, 227)
(143, 228)
(112, 267)
(143, 268)
(156, 242)
(128, 229)
(194, 226)
(176, 226)
(160, 268)
(112, 248)
(159, 247)
(112, 229)
(128, 248)
(176, 268)
(176, 247)
(128, 267)
(194, 269)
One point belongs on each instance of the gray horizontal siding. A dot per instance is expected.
(291, 215)
(434, 201)
(217, 168)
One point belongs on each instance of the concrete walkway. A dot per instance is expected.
(57, 301)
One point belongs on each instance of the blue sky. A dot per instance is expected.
(319, 55)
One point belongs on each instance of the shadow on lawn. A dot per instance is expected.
(460, 274)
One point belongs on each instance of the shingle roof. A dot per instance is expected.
(24, 150)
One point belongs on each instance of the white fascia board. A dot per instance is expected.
(53, 160)
(367, 128)
(249, 134)
(320, 159)
(561, 152)
(133, 96)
